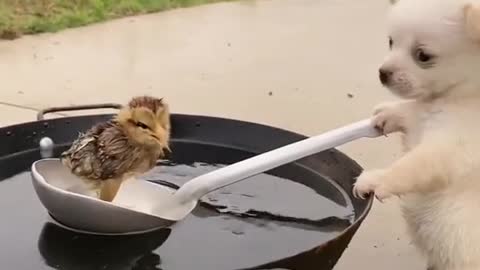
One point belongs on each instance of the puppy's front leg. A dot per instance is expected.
(422, 169)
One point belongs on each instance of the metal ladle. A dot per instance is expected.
(142, 206)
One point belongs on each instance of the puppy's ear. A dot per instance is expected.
(472, 21)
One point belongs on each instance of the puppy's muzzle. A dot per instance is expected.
(384, 76)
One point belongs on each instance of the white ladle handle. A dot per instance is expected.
(206, 183)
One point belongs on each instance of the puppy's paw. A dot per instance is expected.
(366, 183)
(370, 182)
(388, 117)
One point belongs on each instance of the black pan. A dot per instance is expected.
(298, 216)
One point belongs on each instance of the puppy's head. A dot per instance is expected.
(434, 48)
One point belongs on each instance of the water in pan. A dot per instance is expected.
(263, 195)
(250, 223)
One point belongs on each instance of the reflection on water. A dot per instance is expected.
(64, 249)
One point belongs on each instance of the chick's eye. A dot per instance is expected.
(390, 42)
(142, 125)
(422, 56)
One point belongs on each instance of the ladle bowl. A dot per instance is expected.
(129, 213)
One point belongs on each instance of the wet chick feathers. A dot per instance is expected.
(127, 145)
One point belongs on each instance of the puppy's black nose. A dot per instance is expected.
(385, 76)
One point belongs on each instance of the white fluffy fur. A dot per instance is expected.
(438, 177)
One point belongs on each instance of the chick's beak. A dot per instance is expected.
(167, 147)
(159, 136)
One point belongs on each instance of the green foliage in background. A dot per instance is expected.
(19, 17)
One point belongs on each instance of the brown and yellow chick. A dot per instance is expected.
(124, 147)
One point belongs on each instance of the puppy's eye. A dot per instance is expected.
(390, 42)
(422, 56)
(142, 125)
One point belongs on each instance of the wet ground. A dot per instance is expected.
(303, 65)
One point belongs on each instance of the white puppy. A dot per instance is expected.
(434, 65)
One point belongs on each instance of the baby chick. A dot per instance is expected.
(126, 146)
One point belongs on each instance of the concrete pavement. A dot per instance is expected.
(318, 59)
